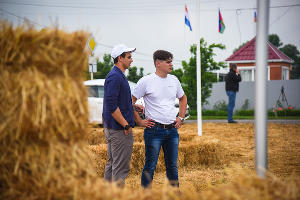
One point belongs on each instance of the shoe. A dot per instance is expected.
(232, 121)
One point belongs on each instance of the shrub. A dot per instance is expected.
(220, 105)
(245, 112)
(245, 106)
(284, 112)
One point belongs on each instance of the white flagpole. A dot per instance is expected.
(261, 51)
(198, 66)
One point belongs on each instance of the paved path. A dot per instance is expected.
(281, 121)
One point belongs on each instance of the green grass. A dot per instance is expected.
(244, 117)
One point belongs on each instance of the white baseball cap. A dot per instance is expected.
(119, 49)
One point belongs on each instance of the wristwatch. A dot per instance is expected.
(127, 127)
(181, 118)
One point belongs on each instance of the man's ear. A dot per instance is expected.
(156, 63)
(119, 58)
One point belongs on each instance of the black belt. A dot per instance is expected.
(165, 126)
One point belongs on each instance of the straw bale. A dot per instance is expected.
(99, 157)
(50, 51)
(190, 154)
(44, 113)
(96, 136)
(247, 185)
(201, 153)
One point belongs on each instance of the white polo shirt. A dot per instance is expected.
(159, 96)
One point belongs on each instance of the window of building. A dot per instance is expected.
(247, 73)
(285, 73)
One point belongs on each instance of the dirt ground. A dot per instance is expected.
(235, 146)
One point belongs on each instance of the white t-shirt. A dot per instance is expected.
(159, 96)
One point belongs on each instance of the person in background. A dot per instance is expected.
(232, 87)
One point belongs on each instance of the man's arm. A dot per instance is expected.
(117, 115)
(182, 110)
(143, 123)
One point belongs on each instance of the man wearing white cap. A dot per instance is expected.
(118, 115)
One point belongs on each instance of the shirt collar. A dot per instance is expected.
(117, 69)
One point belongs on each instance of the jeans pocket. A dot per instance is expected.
(149, 132)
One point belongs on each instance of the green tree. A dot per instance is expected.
(275, 40)
(103, 68)
(133, 75)
(292, 52)
(208, 64)
(178, 73)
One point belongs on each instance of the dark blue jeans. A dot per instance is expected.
(231, 103)
(155, 138)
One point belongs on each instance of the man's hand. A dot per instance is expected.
(178, 123)
(127, 132)
(148, 123)
(139, 108)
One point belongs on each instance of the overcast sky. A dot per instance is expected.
(149, 25)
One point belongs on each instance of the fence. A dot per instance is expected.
(247, 91)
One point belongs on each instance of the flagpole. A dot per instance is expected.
(198, 61)
(261, 54)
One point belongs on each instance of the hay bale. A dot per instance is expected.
(44, 113)
(99, 156)
(207, 154)
(246, 184)
(96, 136)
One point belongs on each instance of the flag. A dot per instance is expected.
(187, 19)
(221, 23)
(255, 15)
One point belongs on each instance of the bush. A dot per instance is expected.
(245, 106)
(245, 112)
(284, 112)
(214, 113)
(220, 105)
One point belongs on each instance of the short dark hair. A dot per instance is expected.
(162, 55)
(122, 55)
(232, 66)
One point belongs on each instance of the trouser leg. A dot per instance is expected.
(170, 148)
(108, 167)
(231, 104)
(121, 146)
(152, 149)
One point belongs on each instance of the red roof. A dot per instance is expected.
(247, 54)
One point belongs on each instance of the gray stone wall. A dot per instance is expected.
(247, 91)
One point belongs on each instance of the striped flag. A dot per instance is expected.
(255, 16)
(187, 19)
(221, 23)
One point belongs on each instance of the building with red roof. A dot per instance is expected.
(279, 64)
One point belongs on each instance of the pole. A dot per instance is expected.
(261, 149)
(198, 61)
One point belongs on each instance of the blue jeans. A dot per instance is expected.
(231, 103)
(155, 138)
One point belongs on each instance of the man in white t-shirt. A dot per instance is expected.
(159, 91)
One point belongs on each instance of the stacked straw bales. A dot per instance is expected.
(43, 120)
(192, 152)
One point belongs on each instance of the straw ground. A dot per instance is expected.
(225, 148)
